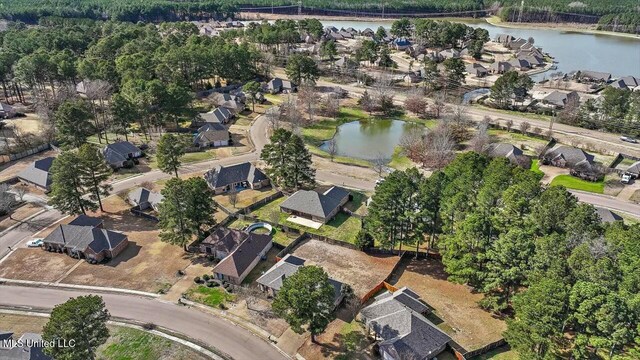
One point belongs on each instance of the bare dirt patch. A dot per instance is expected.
(244, 198)
(18, 215)
(356, 268)
(455, 307)
(21, 324)
(35, 264)
(147, 264)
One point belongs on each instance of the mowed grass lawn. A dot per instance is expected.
(210, 296)
(343, 227)
(132, 344)
(279, 236)
(571, 182)
(535, 167)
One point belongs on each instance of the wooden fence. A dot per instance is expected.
(17, 156)
(137, 212)
(259, 203)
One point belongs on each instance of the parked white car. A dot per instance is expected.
(628, 139)
(34, 243)
(626, 179)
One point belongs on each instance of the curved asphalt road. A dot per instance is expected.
(218, 333)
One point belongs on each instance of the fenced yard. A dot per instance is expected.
(353, 267)
(455, 307)
(343, 227)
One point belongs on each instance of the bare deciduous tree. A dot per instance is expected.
(458, 114)
(524, 127)
(332, 148)
(438, 104)
(308, 97)
(416, 104)
(379, 163)
(481, 139)
(274, 217)
(330, 105)
(412, 144)
(232, 196)
(508, 124)
(273, 117)
(21, 191)
(438, 147)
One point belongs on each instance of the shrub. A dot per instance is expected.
(210, 284)
(197, 280)
(206, 277)
(222, 306)
(149, 326)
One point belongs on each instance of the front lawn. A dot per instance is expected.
(535, 167)
(132, 344)
(210, 296)
(571, 182)
(343, 227)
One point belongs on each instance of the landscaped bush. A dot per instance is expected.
(197, 280)
(206, 277)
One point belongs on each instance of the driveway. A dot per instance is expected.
(218, 333)
(16, 236)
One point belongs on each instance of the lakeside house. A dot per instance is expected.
(558, 99)
(396, 320)
(121, 154)
(593, 76)
(38, 174)
(85, 238)
(477, 70)
(239, 252)
(271, 281)
(319, 207)
(627, 83)
(240, 176)
(500, 67)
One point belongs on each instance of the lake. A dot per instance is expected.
(370, 139)
(619, 56)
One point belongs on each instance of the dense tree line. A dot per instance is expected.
(537, 254)
(628, 22)
(122, 10)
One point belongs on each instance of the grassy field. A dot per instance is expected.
(343, 227)
(575, 183)
(399, 160)
(132, 344)
(518, 113)
(501, 353)
(213, 296)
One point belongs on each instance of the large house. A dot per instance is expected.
(595, 76)
(239, 252)
(508, 151)
(500, 67)
(219, 115)
(319, 207)
(477, 70)
(121, 153)
(271, 281)
(27, 347)
(38, 173)
(145, 198)
(278, 85)
(211, 134)
(569, 157)
(396, 320)
(559, 99)
(244, 175)
(627, 83)
(84, 237)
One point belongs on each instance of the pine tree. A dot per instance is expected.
(94, 172)
(73, 122)
(172, 214)
(289, 162)
(170, 149)
(67, 187)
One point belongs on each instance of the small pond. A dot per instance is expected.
(370, 139)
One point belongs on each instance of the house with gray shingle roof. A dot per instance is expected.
(243, 257)
(396, 319)
(219, 115)
(271, 281)
(477, 70)
(25, 348)
(568, 156)
(38, 173)
(595, 76)
(278, 85)
(320, 207)
(120, 153)
(634, 169)
(245, 175)
(607, 216)
(145, 198)
(85, 237)
(505, 150)
(212, 135)
(559, 99)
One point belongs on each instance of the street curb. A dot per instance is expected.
(39, 284)
(236, 321)
(159, 331)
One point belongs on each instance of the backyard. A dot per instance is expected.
(244, 198)
(343, 227)
(455, 307)
(353, 267)
(279, 236)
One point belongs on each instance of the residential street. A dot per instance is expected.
(221, 334)
(27, 229)
(608, 202)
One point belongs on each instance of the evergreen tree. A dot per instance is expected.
(289, 162)
(302, 69)
(67, 187)
(306, 301)
(94, 172)
(171, 147)
(252, 88)
(82, 320)
(73, 122)
(454, 71)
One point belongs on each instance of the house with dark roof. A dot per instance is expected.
(242, 258)
(449, 54)
(240, 176)
(505, 150)
(607, 216)
(477, 70)
(626, 83)
(520, 64)
(271, 281)
(516, 44)
(594, 76)
(38, 173)
(211, 135)
(500, 67)
(145, 198)
(504, 39)
(319, 207)
(121, 153)
(278, 85)
(397, 322)
(559, 99)
(219, 115)
(568, 156)
(7, 111)
(401, 44)
(27, 347)
(85, 237)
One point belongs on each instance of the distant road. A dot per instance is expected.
(216, 332)
(608, 202)
(27, 229)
